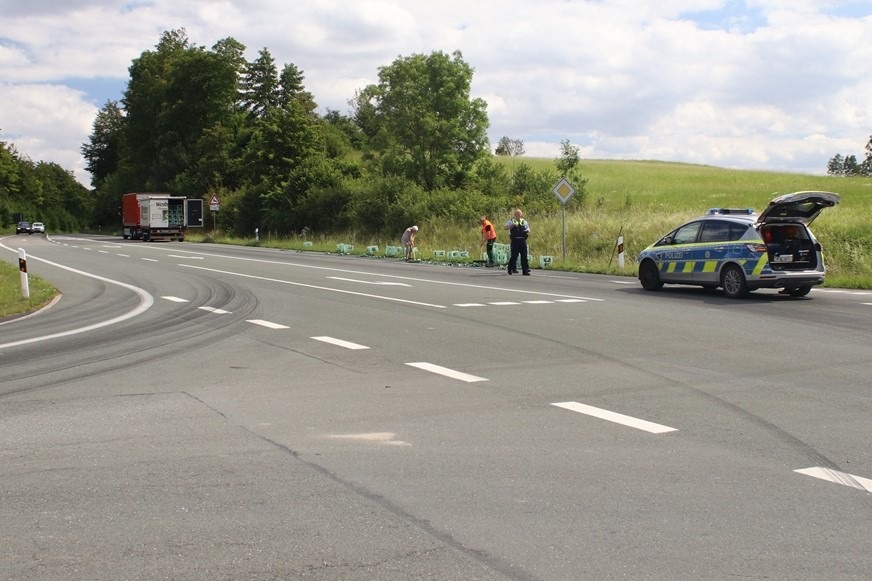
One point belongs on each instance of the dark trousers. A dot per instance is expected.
(490, 251)
(519, 248)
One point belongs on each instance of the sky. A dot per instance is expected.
(775, 85)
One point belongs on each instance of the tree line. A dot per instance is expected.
(41, 192)
(198, 122)
(412, 147)
(848, 165)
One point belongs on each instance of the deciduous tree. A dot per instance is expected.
(424, 123)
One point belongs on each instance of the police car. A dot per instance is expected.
(740, 251)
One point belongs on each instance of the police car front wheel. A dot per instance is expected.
(649, 276)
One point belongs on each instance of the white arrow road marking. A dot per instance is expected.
(339, 342)
(176, 299)
(447, 372)
(615, 417)
(837, 477)
(382, 283)
(267, 324)
(214, 310)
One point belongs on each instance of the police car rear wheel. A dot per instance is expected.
(733, 282)
(649, 276)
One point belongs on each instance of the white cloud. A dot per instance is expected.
(47, 123)
(774, 84)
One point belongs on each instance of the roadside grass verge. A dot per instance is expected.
(12, 302)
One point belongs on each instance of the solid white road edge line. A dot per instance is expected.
(394, 276)
(339, 342)
(837, 477)
(615, 417)
(376, 282)
(145, 303)
(324, 288)
(447, 372)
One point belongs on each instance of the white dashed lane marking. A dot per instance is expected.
(267, 324)
(214, 310)
(175, 299)
(615, 417)
(439, 370)
(339, 343)
(837, 477)
(514, 303)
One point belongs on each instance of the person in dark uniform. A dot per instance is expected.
(518, 229)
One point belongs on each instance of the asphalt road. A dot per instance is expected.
(212, 412)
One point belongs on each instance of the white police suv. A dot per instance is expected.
(740, 251)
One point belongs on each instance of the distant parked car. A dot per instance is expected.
(37, 227)
(739, 251)
(23, 228)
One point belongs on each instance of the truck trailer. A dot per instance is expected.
(159, 216)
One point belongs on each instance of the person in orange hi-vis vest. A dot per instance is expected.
(488, 237)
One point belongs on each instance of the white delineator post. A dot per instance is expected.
(22, 266)
(620, 252)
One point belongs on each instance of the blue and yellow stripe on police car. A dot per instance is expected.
(710, 266)
(762, 263)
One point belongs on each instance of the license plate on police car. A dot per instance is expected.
(784, 258)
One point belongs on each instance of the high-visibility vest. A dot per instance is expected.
(488, 230)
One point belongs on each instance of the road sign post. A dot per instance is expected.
(214, 206)
(563, 190)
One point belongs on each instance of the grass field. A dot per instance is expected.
(642, 200)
